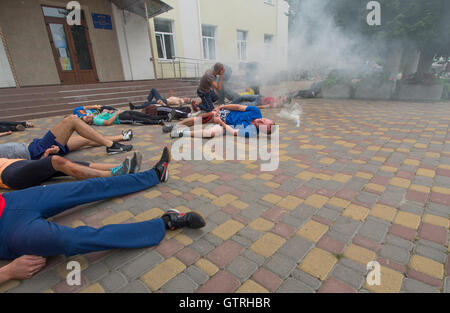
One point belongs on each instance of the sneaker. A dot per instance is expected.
(20, 127)
(175, 220)
(176, 132)
(122, 169)
(135, 162)
(132, 107)
(127, 134)
(167, 128)
(161, 167)
(170, 116)
(118, 148)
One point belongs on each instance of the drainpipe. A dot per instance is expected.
(150, 38)
(8, 55)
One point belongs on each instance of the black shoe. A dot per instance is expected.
(132, 107)
(167, 128)
(173, 220)
(135, 162)
(161, 167)
(118, 148)
(122, 169)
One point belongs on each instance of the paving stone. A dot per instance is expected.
(121, 257)
(291, 285)
(222, 282)
(242, 268)
(415, 286)
(267, 279)
(38, 283)
(395, 253)
(345, 226)
(202, 246)
(258, 259)
(135, 286)
(348, 275)
(332, 285)
(95, 271)
(399, 242)
(180, 284)
(196, 274)
(374, 229)
(307, 279)
(280, 265)
(141, 264)
(296, 248)
(430, 252)
(113, 281)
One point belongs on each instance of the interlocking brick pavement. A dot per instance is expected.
(358, 181)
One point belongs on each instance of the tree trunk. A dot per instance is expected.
(425, 62)
(412, 57)
(394, 61)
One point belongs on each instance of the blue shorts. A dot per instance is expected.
(38, 147)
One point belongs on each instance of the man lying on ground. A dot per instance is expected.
(89, 110)
(263, 102)
(232, 119)
(312, 92)
(20, 174)
(116, 117)
(6, 128)
(209, 86)
(59, 141)
(24, 230)
(171, 101)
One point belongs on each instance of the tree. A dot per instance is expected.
(409, 25)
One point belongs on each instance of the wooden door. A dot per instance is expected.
(72, 48)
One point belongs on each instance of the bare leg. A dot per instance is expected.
(76, 170)
(103, 167)
(64, 130)
(189, 122)
(77, 142)
(209, 132)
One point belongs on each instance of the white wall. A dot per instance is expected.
(6, 75)
(134, 45)
(189, 20)
(282, 34)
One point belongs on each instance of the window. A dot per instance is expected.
(242, 45)
(268, 46)
(164, 39)
(209, 42)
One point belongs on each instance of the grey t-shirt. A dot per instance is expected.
(205, 82)
(14, 150)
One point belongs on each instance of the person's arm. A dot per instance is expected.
(218, 86)
(22, 268)
(92, 107)
(5, 134)
(232, 107)
(111, 120)
(49, 151)
(228, 128)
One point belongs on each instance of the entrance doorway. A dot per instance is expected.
(72, 47)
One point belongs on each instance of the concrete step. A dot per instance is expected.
(44, 101)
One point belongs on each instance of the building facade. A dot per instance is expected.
(113, 44)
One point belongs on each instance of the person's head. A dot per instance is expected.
(264, 122)
(88, 119)
(218, 67)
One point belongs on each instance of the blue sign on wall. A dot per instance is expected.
(102, 21)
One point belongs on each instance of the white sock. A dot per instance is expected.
(186, 133)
